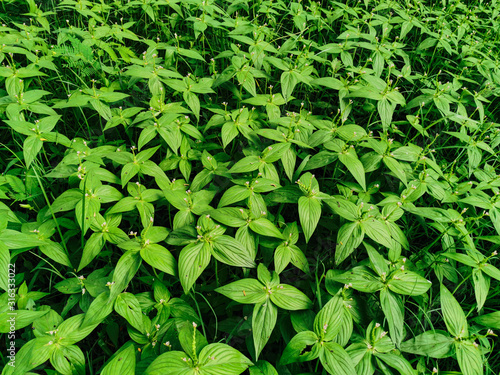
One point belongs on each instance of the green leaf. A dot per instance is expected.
(247, 164)
(68, 360)
(66, 201)
(32, 354)
(377, 231)
(335, 360)
(263, 368)
(127, 305)
(247, 291)
(4, 266)
(128, 171)
(331, 83)
(469, 358)
(349, 237)
(397, 362)
(360, 278)
(264, 319)
(282, 257)
(491, 271)
(344, 208)
(385, 110)
(365, 365)
(72, 329)
(265, 227)
(285, 194)
(123, 362)
(462, 258)
(275, 152)
(221, 359)
(453, 314)
(31, 147)
(234, 194)
(309, 214)
(56, 252)
(265, 277)
(396, 168)
(288, 81)
(124, 205)
(228, 133)
(289, 159)
(160, 258)
(228, 250)
(192, 341)
(346, 327)
(489, 320)
(290, 298)
(328, 321)
(294, 351)
(191, 53)
(125, 270)
(435, 344)
(101, 108)
(17, 240)
(481, 287)
(99, 309)
(193, 260)
(408, 283)
(230, 216)
(377, 261)
(193, 102)
(298, 258)
(407, 153)
(351, 161)
(175, 361)
(92, 248)
(20, 318)
(393, 309)
(69, 286)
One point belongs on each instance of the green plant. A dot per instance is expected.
(188, 184)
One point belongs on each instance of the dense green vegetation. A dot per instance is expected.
(260, 187)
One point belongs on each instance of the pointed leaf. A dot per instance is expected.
(453, 314)
(193, 260)
(263, 321)
(309, 214)
(335, 360)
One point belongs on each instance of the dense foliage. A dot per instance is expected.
(265, 187)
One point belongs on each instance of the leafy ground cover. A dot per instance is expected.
(259, 187)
